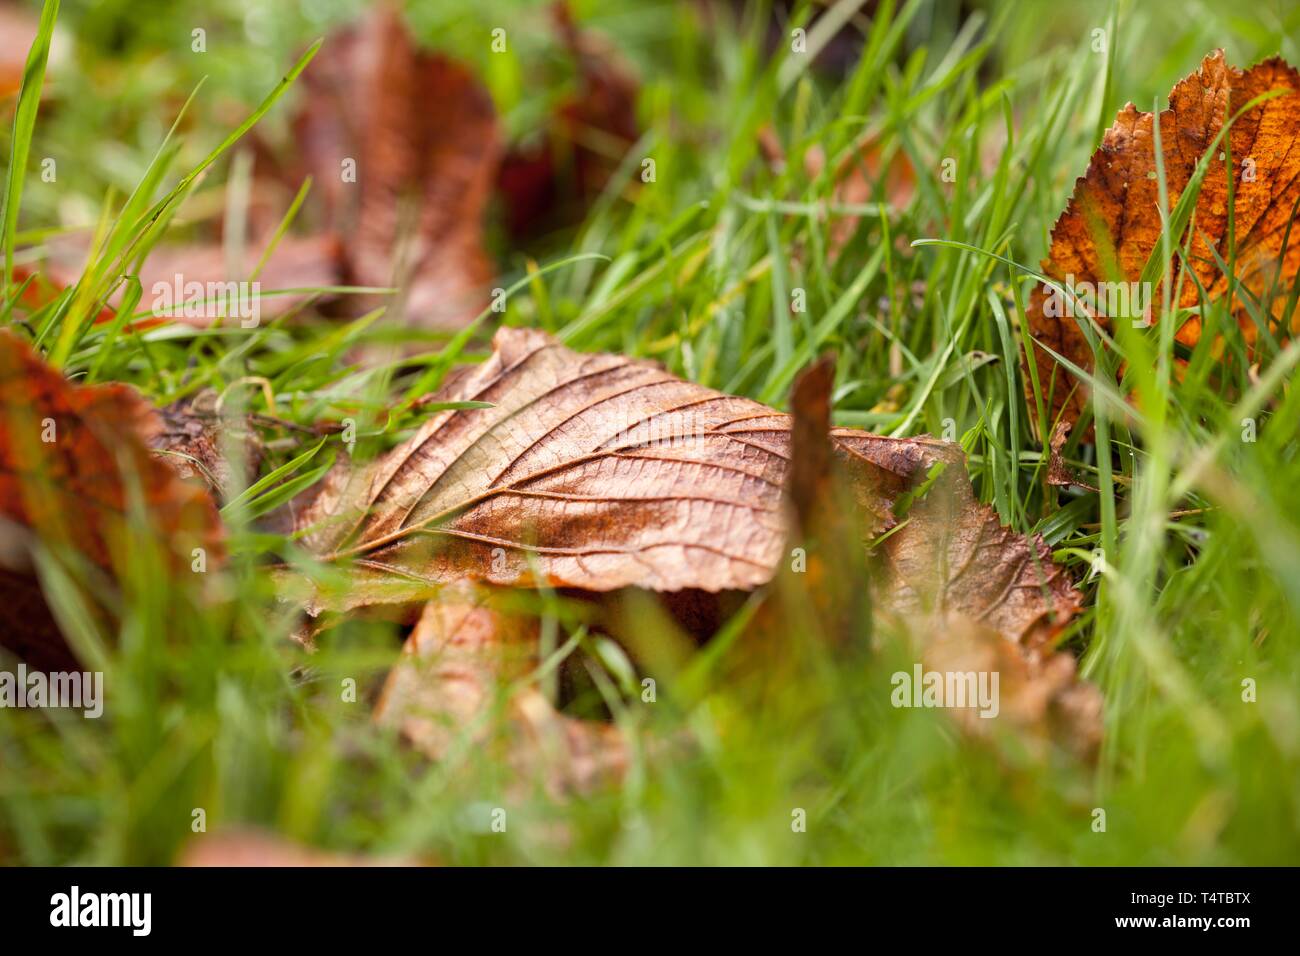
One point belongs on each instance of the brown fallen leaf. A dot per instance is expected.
(1058, 472)
(28, 629)
(826, 518)
(954, 556)
(550, 181)
(405, 145)
(600, 472)
(192, 432)
(968, 595)
(1112, 222)
(171, 277)
(65, 452)
(464, 650)
(188, 283)
(952, 559)
(605, 471)
(951, 556)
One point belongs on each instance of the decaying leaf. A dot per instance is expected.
(72, 457)
(600, 472)
(950, 556)
(463, 651)
(826, 518)
(597, 473)
(954, 555)
(865, 175)
(968, 595)
(1058, 472)
(550, 180)
(1111, 225)
(406, 146)
(197, 284)
(1038, 692)
(27, 628)
(192, 432)
(588, 471)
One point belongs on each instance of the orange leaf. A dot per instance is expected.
(69, 459)
(1103, 239)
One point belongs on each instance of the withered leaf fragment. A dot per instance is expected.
(170, 275)
(1058, 472)
(462, 654)
(967, 595)
(954, 556)
(70, 457)
(419, 134)
(859, 179)
(194, 436)
(951, 556)
(1038, 693)
(1112, 224)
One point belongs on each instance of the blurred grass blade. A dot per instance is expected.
(29, 102)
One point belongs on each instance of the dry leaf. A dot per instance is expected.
(463, 651)
(191, 432)
(954, 556)
(827, 519)
(621, 455)
(550, 182)
(188, 283)
(951, 557)
(968, 594)
(599, 472)
(420, 133)
(604, 471)
(854, 183)
(1058, 472)
(1038, 693)
(297, 262)
(64, 453)
(1112, 222)
(27, 628)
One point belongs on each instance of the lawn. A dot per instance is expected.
(979, 117)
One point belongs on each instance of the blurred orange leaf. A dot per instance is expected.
(1102, 241)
